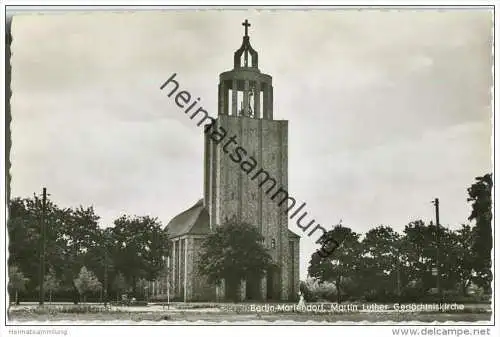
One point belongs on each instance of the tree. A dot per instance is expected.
(420, 249)
(143, 285)
(120, 285)
(458, 258)
(164, 283)
(70, 237)
(382, 262)
(419, 246)
(87, 282)
(23, 229)
(17, 281)
(234, 252)
(77, 241)
(51, 283)
(140, 248)
(24, 237)
(342, 263)
(480, 197)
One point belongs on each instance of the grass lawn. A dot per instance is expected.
(232, 317)
(219, 313)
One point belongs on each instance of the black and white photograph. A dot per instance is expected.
(250, 166)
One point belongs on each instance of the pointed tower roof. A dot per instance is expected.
(244, 50)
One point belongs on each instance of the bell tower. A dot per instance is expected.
(241, 178)
(249, 91)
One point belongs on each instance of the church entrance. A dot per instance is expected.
(253, 289)
(231, 291)
(270, 281)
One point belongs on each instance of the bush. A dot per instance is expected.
(315, 291)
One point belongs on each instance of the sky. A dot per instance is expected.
(387, 109)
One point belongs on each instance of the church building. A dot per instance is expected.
(245, 109)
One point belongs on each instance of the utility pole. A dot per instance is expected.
(105, 271)
(168, 282)
(42, 247)
(438, 244)
(398, 271)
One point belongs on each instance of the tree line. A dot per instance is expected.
(388, 266)
(81, 258)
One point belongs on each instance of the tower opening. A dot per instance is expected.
(253, 289)
(231, 98)
(261, 104)
(241, 107)
(270, 284)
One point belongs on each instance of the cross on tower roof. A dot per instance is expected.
(246, 24)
